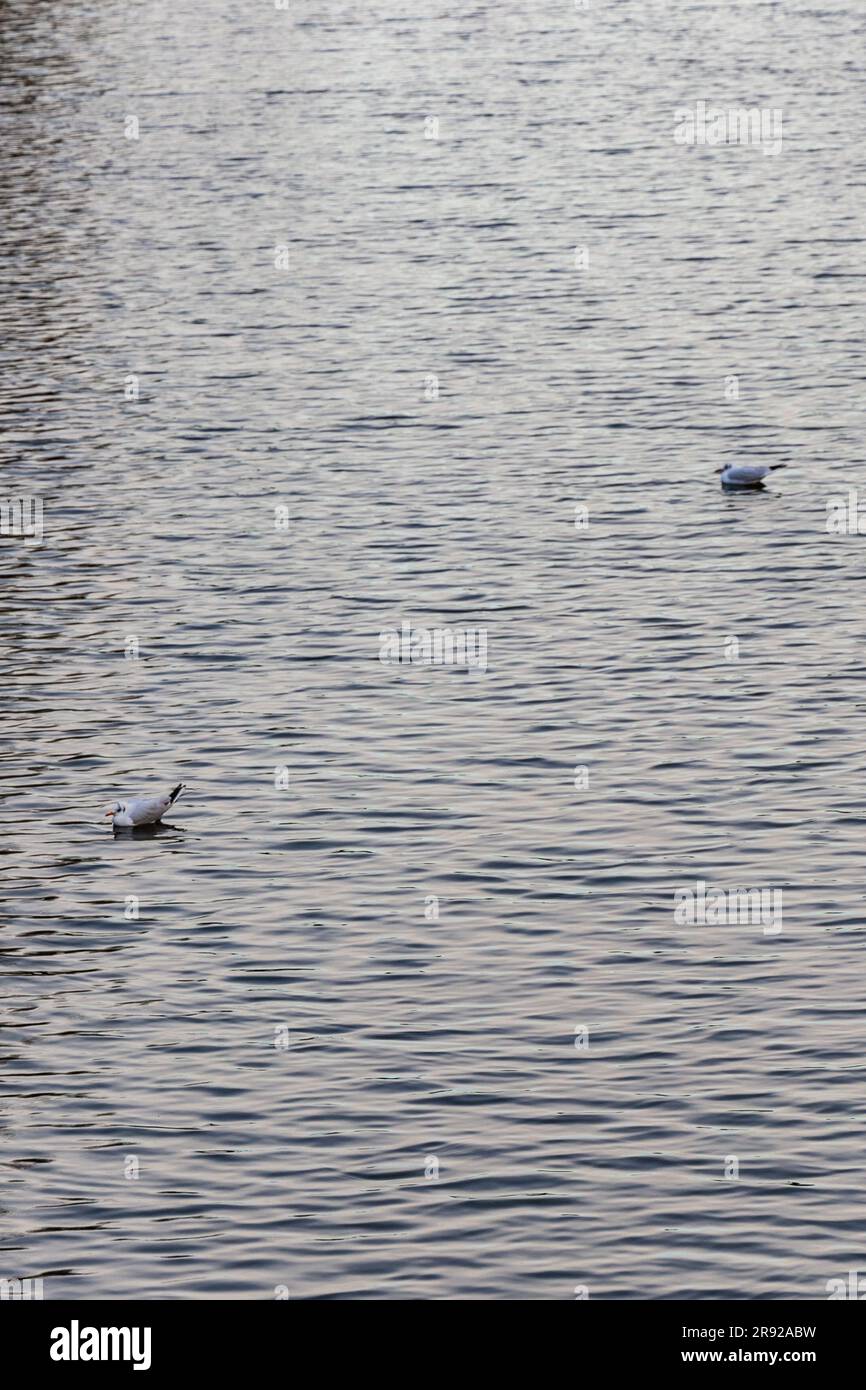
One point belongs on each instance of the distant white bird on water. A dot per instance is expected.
(747, 474)
(143, 810)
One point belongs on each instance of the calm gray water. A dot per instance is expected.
(335, 985)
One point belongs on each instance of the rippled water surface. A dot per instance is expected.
(288, 1040)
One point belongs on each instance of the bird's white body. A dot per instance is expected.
(745, 474)
(142, 810)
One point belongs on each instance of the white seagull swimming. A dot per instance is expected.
(747, 474)
(143, 810)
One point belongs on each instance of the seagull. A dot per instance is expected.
(143, 810)
(747, 474)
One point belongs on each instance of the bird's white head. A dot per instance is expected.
(115, 807)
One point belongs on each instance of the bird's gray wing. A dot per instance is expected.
(749, 472)
(147, 809)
